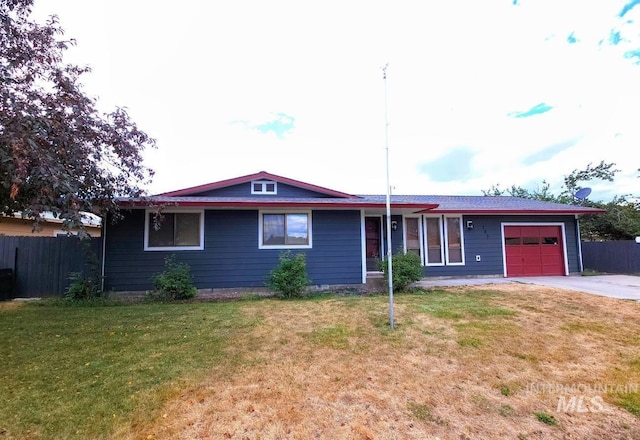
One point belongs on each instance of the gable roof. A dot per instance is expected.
(193, 197)
(262, 175)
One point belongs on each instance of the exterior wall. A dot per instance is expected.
(485, 239)
(15, 227)
(244, 190)
(231, 257)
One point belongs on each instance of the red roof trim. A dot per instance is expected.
(140, 203)
(248, 178)
(512, 211)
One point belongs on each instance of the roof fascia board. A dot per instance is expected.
(513, 211)
(231, 204)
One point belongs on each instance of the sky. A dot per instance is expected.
(477, 93)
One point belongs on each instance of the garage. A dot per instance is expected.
(534, 250)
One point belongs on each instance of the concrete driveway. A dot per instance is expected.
(614, 286)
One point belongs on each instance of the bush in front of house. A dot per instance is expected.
(289, 279)
(175, 282)
(406, 268)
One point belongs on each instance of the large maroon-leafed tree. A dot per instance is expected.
(58, 153)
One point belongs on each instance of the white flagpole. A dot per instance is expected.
(389, 247)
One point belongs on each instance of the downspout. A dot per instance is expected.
(579, 245)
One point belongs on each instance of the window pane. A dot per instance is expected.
(257, 187)
(273, 229)
(163, 236)
(550, 240)
(530, 240)
(413, 235)
(271, 187)
(187, 229)
(434, 243)
(513, 241)
(297, 229)
(454, 240)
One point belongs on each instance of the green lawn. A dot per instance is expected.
(76, 372)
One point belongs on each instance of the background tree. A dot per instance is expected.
(621, 220)
(58, 153)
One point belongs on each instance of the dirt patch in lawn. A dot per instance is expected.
(9, 305)
(500, 361)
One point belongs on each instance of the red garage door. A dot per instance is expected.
(533, 250)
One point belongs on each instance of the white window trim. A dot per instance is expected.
(264, 184)
(420, 236)
(200, 247)
(442, 240)
(285, 246)
(446, 239)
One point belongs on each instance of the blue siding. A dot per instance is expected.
(231, 257)
(485, 239)
(244, 190)
(336, 257)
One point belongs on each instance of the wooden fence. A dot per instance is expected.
(40, 266)
(612, 256)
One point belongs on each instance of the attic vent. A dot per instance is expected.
(264, 187)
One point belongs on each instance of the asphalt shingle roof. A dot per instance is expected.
(431, 203)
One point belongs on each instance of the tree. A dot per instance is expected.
(602, 171)
(58, 153)
(621, 220)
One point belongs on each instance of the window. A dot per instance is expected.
(177, 231)
(413, 236)
(444, 241)
(453, 237)
(285, 230)
(264, 187)
(434, 240)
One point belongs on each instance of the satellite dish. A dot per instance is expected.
(582, 193)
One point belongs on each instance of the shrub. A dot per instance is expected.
(289, 279)
(407, 268)
(82, 287)
(175, 282)
(85, 285)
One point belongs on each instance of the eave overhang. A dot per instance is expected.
(333, 204)
(515, 211)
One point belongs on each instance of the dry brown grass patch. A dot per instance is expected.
(10, 305)
(332, 369)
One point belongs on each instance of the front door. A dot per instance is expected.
(372, 226)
